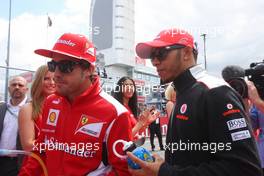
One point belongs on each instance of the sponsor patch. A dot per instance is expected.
(84, 120)
(56, 101)
(229, 106)
(240, 135)
(230, 112)
(90, 50)
(90, 126)
(53, 117)
(236, 124)
(66, 42)
(182, 117)
(48, 130)
(183, 108)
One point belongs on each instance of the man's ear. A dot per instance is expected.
(187, 51)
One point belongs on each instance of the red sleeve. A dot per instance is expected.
(121, 129)
(32, 167)
(133, 121)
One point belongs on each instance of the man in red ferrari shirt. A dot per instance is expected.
(80, 122)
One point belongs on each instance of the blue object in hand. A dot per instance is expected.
(142, 154)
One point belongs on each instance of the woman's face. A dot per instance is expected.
(49, 84)
(128, 89)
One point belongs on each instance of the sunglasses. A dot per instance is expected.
(65, 66)
(161, 53)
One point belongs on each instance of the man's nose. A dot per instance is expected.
(57, 74)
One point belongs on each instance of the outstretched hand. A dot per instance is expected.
(147, 168)
(148, 116)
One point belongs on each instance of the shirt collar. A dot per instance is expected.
(188, 78)
(19, 105)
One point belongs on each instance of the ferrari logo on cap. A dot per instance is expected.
(90, 49)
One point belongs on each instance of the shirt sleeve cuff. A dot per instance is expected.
(164, 170)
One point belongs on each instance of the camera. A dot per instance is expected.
(256, 74)
(235, 75)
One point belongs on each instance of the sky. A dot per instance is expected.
(234, 28)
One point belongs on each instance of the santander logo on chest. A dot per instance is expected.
(183, 110)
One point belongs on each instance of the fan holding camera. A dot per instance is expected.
(252, 91)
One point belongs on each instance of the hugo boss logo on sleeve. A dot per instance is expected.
(236, 124)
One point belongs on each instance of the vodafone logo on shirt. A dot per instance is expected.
(229, 106)
(230, 110)
(183, 108)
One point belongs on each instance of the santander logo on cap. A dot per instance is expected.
(66, 42)
(72, 45)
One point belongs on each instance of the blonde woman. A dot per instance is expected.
(170, 95)
(29, 117)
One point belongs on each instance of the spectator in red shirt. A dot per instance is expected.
(126, 93)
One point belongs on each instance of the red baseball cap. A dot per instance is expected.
(165, 38)
(73, 45)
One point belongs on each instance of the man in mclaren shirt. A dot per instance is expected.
(80, 123)
(208, 132)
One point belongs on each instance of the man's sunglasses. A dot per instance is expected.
(66, 66)
(161, 53)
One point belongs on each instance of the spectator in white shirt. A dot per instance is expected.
(9, 124)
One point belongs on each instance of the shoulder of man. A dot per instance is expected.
(3, 106)
(113, 104)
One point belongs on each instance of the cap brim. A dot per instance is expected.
(144, 50)
(50, 53)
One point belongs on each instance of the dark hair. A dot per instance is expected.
(118, 94)
(85, 64)
(233, 71)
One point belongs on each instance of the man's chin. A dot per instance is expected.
(165, 81)
(62, 92)
(17, 96)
